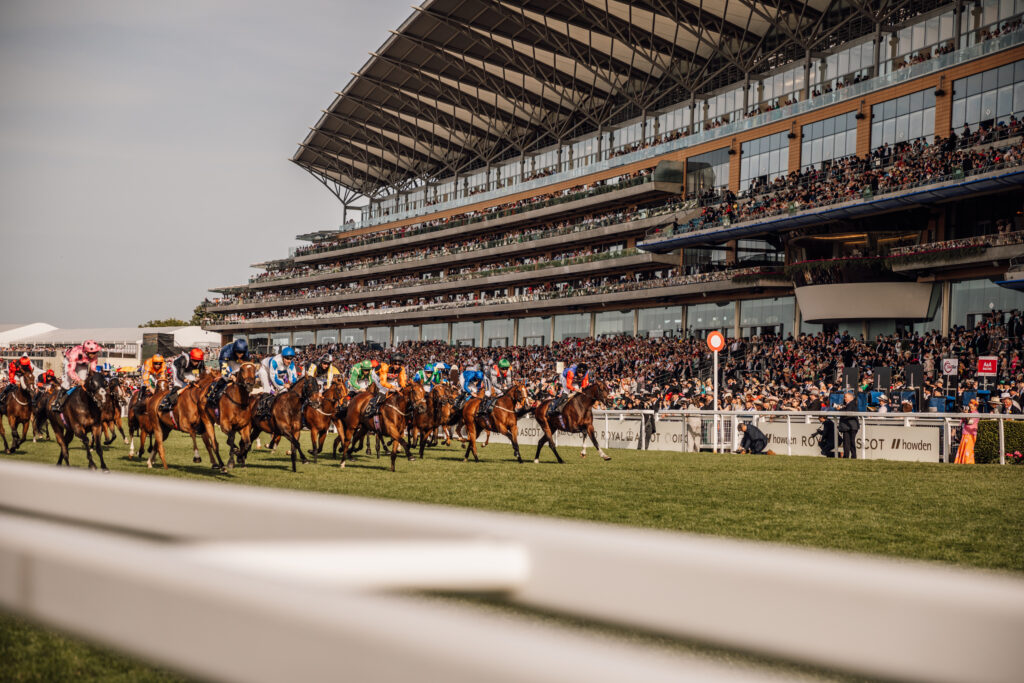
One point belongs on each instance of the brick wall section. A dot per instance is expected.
(943, 107)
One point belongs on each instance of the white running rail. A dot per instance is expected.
(240, 583)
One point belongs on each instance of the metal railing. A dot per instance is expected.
(248, 584)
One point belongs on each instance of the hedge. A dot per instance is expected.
(986, 449)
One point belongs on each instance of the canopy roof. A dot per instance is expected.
(467, 83)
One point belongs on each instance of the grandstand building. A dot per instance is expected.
(538, 171)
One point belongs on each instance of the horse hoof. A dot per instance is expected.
(231, 465)
(583, 455)
(536, 461)
(197, 460)
(149, 465)
(106, 471)
(606, 457)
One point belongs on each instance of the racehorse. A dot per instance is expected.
(187, 416)
(577, 417)
(390, 420)
(40, 422)
(423, 426)
(81, 416)
(116, 397)
(320, 418)
(501, 419)
(17, 406)
(285, 415)
(233, 411)
(140, 421)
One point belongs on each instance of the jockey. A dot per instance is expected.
(78, 362)
(185, 369)
(153, 370)
(46, 379)
(425, 377)
(232, 356)
(388, 378)
(359, 377)
(471, 382)
(278, 372)
(573, 379)
(323, 370)
(498, 381)
(440, 374)
(15, 369)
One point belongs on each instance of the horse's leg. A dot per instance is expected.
(296, 434)
(215, 461)
(84, 436)
(13, 421)
(158, 435)
(550, 438)
(232, 449)
(296, 450)
(58, 434)
(24, 431)
(487, 439)
(470, 440)
(3, 435)
(593, 439)
(97, 431)
(512, 432)
(583, 435)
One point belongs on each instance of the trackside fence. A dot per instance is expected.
(923, 437)
(246, 584)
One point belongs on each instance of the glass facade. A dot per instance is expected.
(499, 332)
(572, 325)
(988, 97)
(767, 316)
(970, 300)
(764, 159)
(379, 335)
(828, 139)
(466, 334)
(326, 337)
(702, 318)
(707, 172)
(534, 331)
(407, 333)
(279, 340)
(303, 338)
(351, 336)
(613, 322)
(905, 118)
(665, 321)
(258, 342)
(435, 332)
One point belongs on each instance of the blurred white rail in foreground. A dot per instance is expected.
(246, 584)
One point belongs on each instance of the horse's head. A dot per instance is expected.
(600, 393)
(520, 397)
(310, 391)
(247, 375)
(417, 397)
(95, 386)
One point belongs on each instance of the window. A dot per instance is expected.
(407, 333)
(767, 316)
(707, 172)
(534, 331)
(970, 300)
(435, 332)
(378, 335)
(326, 337)
(829, 139)
(905, 118)
(466, 334)
(988, 97)
(572, 325)
(665, 321)
(764, 160)
(613, 322)
(498, 332)
(302, 338)
(702, 318)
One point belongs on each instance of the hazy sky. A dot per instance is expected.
(144, 146)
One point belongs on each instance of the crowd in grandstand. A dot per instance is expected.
(801, 372)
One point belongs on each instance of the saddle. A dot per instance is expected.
(214, 394)
(486, 406)
(264, 406)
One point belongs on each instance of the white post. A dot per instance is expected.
(789, 436)
(715, 390)
(1002, 442)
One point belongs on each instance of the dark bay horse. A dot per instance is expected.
(320, 418)
(116, 397)
(577, 417)
(423, 426)
(285, 418)
(139, 420)
(186, 416)
(391, 420)
(502, 418)
(233, 411)
(17, 406)
(81, 416)
(40, 421)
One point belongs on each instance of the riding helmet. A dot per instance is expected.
(91, 347)
(196, 355)
(581, 369)
(504, 364)
(287, 352)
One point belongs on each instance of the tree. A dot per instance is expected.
(169, 322)
(197, 315)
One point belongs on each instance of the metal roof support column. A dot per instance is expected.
(957, 23)
(600, 141)
(876, 53)
(746, 92)
(977, 11)
(805, 95)
(643, 126)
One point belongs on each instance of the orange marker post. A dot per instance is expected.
(716, 342)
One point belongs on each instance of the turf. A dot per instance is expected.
(971, 516)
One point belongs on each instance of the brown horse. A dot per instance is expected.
(139, 420)
(390, 421)
(81, 416)
(577, 417)
(285, 415)
(424, 426)
(17, 406)
(40, 422)
(502, 418)
(186, 416)
(116, 397)
(233, 411)
(320, 418)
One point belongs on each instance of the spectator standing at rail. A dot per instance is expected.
(969, 434)
(849, 425)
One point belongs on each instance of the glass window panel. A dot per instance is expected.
(534, 331)
(407, 333)
(988, 105)
(324, 337)
(379, 335)
(499, 333)
(1004, 101)
(973, 109)
(989, 80)
(660, 322)
(613, 322)
(1018, 97)
(466, 334)
(1004, 75)
(915, 125)
(303, 338)
(572, 325)
(959, 110)
(435, 332)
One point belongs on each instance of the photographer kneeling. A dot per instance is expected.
(754, 440)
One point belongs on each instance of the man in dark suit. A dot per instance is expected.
(754, 440)
(849, 425)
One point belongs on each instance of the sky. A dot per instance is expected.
(144, 147)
